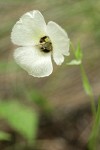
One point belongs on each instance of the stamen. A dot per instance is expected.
(45, 44)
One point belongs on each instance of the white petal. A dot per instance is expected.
(59, 40)
(59, 59)
(29, 29)
(35, 62)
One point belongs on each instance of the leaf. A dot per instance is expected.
(74, 62)
(40, 101)
(78, 53)
(86, 84)
(4, 136)
(20, 117)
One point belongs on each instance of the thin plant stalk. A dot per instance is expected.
(86, 83)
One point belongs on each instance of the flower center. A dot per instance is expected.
(45, 44)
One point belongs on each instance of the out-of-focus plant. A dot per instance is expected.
(21, 118)
(4, 136)
(38, 99)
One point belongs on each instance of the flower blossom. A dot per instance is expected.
(39, 44)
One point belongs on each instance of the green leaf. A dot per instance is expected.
(86, 84)
(78, 53)
(74, 62)
(40, 101)
(4, 136)
(20, 117)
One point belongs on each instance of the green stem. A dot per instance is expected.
(90, 94)
(88, 88)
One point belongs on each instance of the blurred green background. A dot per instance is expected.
(63, 89)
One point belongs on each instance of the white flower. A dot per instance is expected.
(38, 42)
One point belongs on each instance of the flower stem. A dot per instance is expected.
(86, 83)
(88, 89)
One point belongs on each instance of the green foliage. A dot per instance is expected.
(78, 53)
(86, 84)
(95, 131)
(40, 101)
(74, 62)
(78, 61)
(20, 117)
(4, 136)
(88, 90)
